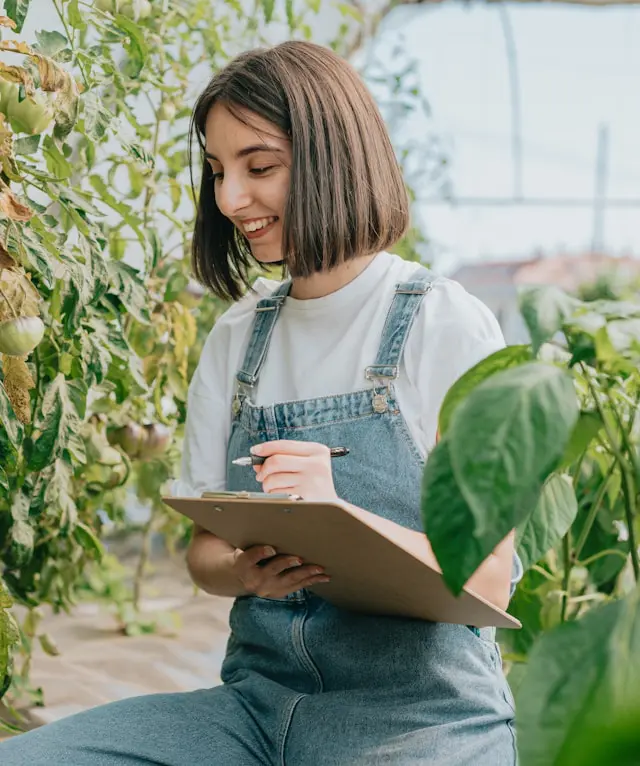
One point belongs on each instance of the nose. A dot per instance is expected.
(232, 194)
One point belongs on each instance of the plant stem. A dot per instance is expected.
(593, 512)
(602, 554)
(566, 553)
(628, 489)
(69, 34)
(145, 550)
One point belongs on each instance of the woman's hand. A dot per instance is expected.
(276, 578)
(295, 468)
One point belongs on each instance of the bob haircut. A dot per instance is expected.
(346, 198)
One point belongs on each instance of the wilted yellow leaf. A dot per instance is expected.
(17, 382)
(6, 139)
(6, 261)
(52, 76)
(11, 207)
(14, 46)
(18, 75)
(5, 21)
(18, 296)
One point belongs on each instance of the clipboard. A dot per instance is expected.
(376, 566)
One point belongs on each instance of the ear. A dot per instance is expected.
(437, 436)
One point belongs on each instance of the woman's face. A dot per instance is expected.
(250, 165)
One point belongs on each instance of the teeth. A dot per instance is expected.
(259, 224)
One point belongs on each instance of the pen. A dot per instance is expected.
(258, 460)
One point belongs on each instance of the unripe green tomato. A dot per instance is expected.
(20, 336)
(130, 437)
(135, 10)
(157, 441)
(31, 116)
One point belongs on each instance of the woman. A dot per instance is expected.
(358, 348)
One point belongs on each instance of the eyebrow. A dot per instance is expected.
(247, 150)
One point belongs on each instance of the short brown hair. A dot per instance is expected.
(346, 196)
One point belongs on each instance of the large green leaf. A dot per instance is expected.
(551, 519)
(17, 10)
(505, 358)
(545, 310)
(60, 427)
(581, 674)
(135, 45)
(485, 475)
(615, 741)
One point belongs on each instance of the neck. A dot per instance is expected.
(326, 282)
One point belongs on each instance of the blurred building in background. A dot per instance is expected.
(497, 283)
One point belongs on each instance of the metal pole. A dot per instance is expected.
(599, 200)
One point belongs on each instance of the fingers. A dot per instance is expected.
(281, 575)
(280, 463)
(289, 447)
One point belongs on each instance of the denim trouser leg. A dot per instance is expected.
(210, 726)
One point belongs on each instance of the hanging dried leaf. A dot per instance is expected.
(66, 107)
(18, 75)
(11, 207)
(5, 21)
(17, 382)
(6, 261)
(18, 296)
(14, 46)
(6, 139)
(52, 76)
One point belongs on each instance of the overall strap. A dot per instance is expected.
(404, 307)
(267, 311)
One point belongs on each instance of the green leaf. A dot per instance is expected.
(76, 20)
(525, 605)
(60, 427)
(580, 675)
(26, 145)
(268, 6)
(130, 290)
(545, 309)
(505, 358)
(485, 475)
(51, 43)
(21, 533)
(134, 43)
(88, 540)
(615, 741)
(96, 118)
(586, 429)
(17, 11)
(11, 434)
(57, 164)
(550, 521)
(291, 19)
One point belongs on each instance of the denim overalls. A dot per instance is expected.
(306, 683)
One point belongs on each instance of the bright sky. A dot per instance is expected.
(578, 68)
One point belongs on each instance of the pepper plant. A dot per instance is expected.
(545, 438)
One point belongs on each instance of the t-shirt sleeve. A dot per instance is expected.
(454, 331)
(206, 433)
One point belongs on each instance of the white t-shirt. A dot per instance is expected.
(322, 346)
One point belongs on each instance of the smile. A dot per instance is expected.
(258, 227)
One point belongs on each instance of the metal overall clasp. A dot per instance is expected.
(379, 398)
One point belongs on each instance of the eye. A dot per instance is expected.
(217, 176)
(261, 171)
